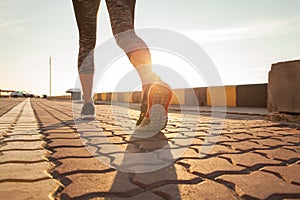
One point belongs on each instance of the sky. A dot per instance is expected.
(242, 38)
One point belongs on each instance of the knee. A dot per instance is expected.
(87, 43)
(130, 42)
(86, 59)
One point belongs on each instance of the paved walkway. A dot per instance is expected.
(252, 159)
(23, 163)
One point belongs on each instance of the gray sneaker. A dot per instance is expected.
(88, 111)
(156, 117)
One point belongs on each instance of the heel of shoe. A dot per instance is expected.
(161, 95)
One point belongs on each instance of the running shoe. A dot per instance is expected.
(88, 111)
(156, 117)
(144, 105)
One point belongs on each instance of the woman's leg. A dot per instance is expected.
(86, 17)
(154, 91)
(122, 21)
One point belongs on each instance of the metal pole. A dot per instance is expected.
(50, 74)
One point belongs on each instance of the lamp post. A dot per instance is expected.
(50, 74)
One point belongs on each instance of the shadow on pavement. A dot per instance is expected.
(163, 172)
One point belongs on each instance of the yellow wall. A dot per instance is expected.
(103, 96)
(218, 96)
(65, 97)
(221, 96)
(97, 97)
(178, 97)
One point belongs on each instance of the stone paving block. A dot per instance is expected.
(66, 131)
(280, 154)
(15, 137)
(218, 149)
(122, 133)
(289, 173)
(111, 182)
(288, 132)
(260, 185)
(57, 143)
(3, 129)
(153, 143)
(69, 165)
(270, 142)
(58, 135)
(291, 139)
(24, 128)
(22, 132)
(171, 173)
(279, 128)
(9, 118)
(211, 166)
(49, 123)
(203, 190)
(295, 148)
(29, 171)
(3, 133)
(22, 145)
(243, 145)
(177, 129)
(262, 134)
(5, 125)
(116, 142)
(242, 136)
(263, 129)
(144, 195)
(250, 159)
(57, 127)
(189, 153)
(237, 130)
(70, 152)
(33, 190)
(23, 156)
(27, 117)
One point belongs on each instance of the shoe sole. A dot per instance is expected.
(159, 97)
(88, 117)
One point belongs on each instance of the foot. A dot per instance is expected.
(88, 111)
(156, 117)
(144, 105)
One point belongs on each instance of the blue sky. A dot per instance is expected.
(243, 38)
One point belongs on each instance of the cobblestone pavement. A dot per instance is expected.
(23, 162)
(252, 159)
(7, 104)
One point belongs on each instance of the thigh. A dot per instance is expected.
(86, 14)
(121, 13)
(131, 4)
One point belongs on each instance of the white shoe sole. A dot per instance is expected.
(88, 117)
(158, 120)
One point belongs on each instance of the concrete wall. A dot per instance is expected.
(178, 97)
(284, 87)
(62, 97)
(221, 96)
(251, 95)
(196, 96)
(232, 96)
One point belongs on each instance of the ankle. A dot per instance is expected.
(85, 101)
(150, 78)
